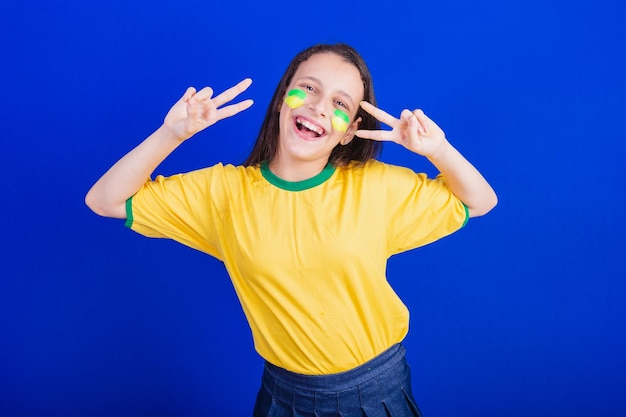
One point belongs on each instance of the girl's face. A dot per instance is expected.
(307, 132)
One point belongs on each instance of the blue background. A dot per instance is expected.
(520, 313)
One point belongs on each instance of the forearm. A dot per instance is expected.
(464, 180)
(108, 195)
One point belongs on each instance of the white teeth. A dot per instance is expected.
(310, 126)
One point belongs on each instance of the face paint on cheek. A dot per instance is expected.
(340, 121)
(295, 98)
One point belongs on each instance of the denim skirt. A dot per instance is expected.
(380, 387)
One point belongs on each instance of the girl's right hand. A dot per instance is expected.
(196, 111)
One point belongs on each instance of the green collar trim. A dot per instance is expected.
(320, 178)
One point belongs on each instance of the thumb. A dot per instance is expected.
(188, 94)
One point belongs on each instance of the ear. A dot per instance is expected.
(349, 135)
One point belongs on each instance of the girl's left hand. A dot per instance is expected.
(413, 130)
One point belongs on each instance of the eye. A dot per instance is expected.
(341, 104)
(308, 88)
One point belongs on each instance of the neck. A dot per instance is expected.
(296, 171)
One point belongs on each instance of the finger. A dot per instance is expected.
(410, 122)
(413, 129)
(379, 135)
(232, 92)
(197, 104)
(422, 119)
(379, 114)
(204, 94)
(233, 109)
(188, 94)
(192, 108)
(406, 116)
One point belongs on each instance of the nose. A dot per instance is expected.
(317, 106)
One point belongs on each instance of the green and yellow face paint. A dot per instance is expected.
(340, 120)
(295, 98)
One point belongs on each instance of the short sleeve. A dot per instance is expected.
(182, 207)
(420, 210)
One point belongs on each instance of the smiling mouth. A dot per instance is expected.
(308, 128)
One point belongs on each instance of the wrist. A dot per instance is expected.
(440, 153)
(168, 136)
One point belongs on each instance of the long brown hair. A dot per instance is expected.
(358, 149)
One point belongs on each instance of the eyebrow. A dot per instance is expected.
(318, 81)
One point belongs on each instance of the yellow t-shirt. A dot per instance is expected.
(307, 259)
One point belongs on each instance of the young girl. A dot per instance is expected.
(305, 227)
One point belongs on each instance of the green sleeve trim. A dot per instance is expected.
(129, 213)
(466, 215)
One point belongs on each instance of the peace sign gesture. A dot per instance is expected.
(197, 110)
(413, 130)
